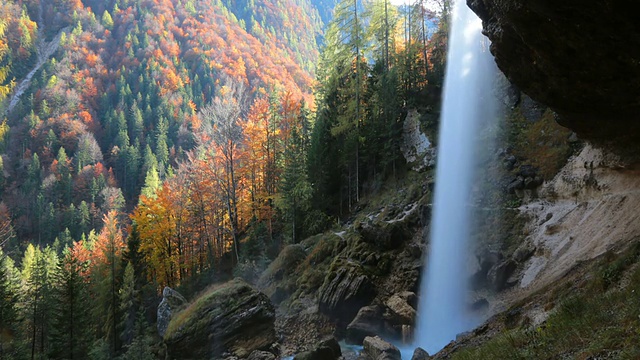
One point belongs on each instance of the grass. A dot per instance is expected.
(593, 321)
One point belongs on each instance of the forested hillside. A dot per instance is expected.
(147, 143)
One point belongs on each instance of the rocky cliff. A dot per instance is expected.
(581, 58)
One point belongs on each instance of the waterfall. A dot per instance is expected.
(468, 101)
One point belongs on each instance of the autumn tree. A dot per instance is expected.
(223, 122)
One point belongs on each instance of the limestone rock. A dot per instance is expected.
(400, 312)
(368, 322)
(378, 349)
(420, 354)
(344, 292)
(232, 317)
(171, 301)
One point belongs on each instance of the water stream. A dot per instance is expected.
(468, 102)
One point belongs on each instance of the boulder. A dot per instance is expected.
(327, 349)
(230, 318)
(344, 291)
(171, 301)
(368, 322)
(378, 349)
(420, 354)
(400, 312)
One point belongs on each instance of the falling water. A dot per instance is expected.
(468, 102)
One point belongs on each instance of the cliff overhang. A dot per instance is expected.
(581, 58)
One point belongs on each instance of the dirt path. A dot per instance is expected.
(44, 50)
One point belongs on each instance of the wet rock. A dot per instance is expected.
(378, 349)
(368, 322)
(420, 354)
(344, 292)
(171, 302)
(231, 318)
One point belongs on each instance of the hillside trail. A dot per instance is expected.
(44, 50)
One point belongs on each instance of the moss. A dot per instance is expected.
(212, 303)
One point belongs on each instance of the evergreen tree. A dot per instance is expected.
(71, 333)
(8, 306)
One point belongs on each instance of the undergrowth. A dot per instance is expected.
(595, 321)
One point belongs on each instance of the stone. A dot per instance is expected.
(261, 355)
(171, 301)
(230, 318)
(344, 291)
(400, 312)
(327, 349)
(368, 322)
(378, 349)
(420, 354)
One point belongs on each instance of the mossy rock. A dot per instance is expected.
(232, 317)
(345, 290)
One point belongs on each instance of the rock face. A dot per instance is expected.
(344, 292)
(377, 349)
(171, 301)
(580, 58)
(230, 318)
